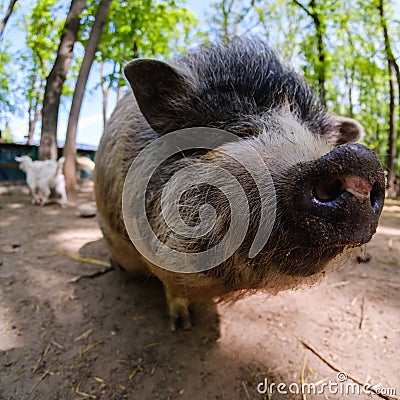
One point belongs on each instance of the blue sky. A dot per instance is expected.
(90, 124)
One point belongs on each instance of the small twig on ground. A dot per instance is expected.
(303, 367)
(83, 260)
(338, 284)
(360, 325)
(90, 276)
(47, 372)
(269, 394)
(355, 298)
(351, 377)
(85, 395)
(83, 351)
(150, 345)
(246, 392)
(44, 354)
(84, 335)
(77, 258)
(57, 344)
(134, 372)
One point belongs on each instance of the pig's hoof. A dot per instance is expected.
(179, 315)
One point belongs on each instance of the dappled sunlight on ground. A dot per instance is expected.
(14, 206)
(78, 234)
(388, 231)
(10, 335)
(7, 221)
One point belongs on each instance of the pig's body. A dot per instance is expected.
(326, 200)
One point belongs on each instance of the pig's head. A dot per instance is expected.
(328, 191)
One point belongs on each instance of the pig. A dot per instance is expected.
(322, 193)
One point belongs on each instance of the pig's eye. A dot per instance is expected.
(328, 189)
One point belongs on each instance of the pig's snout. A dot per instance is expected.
(337, 189)
(340, 197)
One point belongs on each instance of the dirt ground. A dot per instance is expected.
(71, 329)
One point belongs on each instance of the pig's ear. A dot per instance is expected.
(158, 88)
(345, 130)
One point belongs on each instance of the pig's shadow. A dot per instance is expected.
(143, 299)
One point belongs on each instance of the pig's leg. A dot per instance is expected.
(178, 309)
(176, 293)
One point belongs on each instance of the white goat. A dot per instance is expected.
(42, 177)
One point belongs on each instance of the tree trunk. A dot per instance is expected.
(392, 138)
(350, 78)
(320, 28)
(120, 83)
(104, 90)
(33, 113)
(55, 82)
(32, 125)
(225, 22)
(70, 142)
(393, 70)
(3, 23)
(321, 68)
(119, 94)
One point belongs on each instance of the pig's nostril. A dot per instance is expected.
(377, 197)
(328, 189)
(332, 188)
